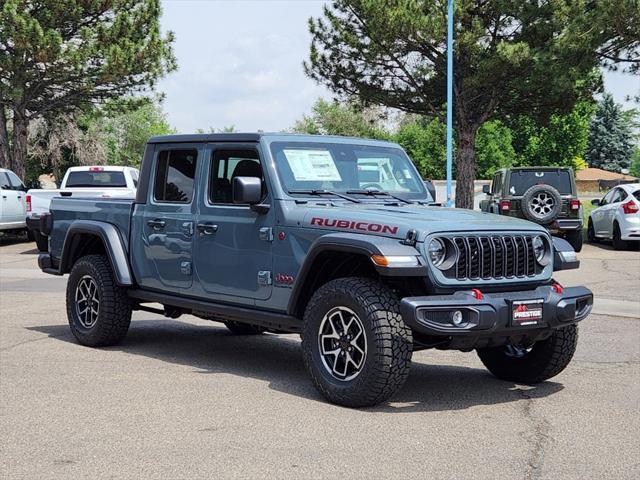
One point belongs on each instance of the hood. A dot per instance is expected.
(391, 221)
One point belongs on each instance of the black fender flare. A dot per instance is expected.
(113, 245)
(358, 244)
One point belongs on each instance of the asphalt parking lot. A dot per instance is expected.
(186, 399)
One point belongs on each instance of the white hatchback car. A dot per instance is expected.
(617, 217)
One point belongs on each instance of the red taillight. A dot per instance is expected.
(477, 294)
(558, 288)
(575, 204)
(505, 205)
(28, 203)
(630, 207)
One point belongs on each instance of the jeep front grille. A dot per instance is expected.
(493, 257)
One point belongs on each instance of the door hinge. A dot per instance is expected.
(185, 268)
(266, 234)
(187, 228)
(264, 277)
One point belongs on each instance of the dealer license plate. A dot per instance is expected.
(526, 313)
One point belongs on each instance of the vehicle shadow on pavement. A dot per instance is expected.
(277, 359)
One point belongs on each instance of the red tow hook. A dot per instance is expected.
(477, 294)
(558, 288)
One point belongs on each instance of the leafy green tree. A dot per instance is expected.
(494, 149)
(634, 170)
(512, 57)
(610, 137)
(557, 143)
(422, 139)
(125, 134)
(111, 135)
(57, 56)
(334, 118)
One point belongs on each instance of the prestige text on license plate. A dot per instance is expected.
(526, 312)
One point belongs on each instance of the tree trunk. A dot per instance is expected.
(5, 148)
(20, 126)
(465, 165)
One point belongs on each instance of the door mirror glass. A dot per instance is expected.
(247, 190)
(595, 202)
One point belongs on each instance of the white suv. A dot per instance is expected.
(13, 202)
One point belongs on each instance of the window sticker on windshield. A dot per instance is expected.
(312, 165)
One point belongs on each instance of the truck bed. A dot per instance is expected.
(65, 210)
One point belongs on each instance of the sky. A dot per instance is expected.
(240, 64)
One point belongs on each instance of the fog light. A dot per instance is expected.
(457, 318)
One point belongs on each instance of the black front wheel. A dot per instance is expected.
(98, 310)
(535, 363)
(355, 345)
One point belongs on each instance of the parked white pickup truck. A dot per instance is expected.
(102, 181)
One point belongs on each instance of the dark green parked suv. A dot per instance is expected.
(544, 195)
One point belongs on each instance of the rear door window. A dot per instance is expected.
(496, 188)
(523, 180)
(16, 183)
(95, 179)
(175, 175)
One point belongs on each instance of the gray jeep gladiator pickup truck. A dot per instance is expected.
(333, 238)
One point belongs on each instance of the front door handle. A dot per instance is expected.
(207, 228)
(156, 224)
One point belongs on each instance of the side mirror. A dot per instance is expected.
(486, 189)
(246, 190)
(595, 202)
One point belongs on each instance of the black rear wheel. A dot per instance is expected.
(618, 243)
(575, 239)
(535, 363)
(98, 310)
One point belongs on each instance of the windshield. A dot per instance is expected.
(522, 180)
(99, 179)
(346, 168)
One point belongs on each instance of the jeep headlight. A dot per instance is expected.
(541, 250)
(437, 252)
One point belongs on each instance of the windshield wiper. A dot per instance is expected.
(374, 192)
(325, 192)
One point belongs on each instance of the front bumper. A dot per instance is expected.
(488, 321)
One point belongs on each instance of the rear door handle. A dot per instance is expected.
(207, 228)
(156, 224)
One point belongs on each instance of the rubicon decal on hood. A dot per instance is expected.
(349, 225)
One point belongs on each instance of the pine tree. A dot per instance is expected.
(59, 56)
(609, 146)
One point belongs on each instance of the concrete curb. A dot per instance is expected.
(616, 308)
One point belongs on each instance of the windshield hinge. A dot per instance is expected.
(411, 238)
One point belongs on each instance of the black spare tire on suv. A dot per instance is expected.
(541, 204)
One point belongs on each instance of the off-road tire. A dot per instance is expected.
(527, 206)
(389, 342)
(42, 241)
(618, 243)
(114, 312)
(591, 233)
(575, 239)
(546, 358)
(240, 328)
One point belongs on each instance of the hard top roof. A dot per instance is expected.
(255, 137)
